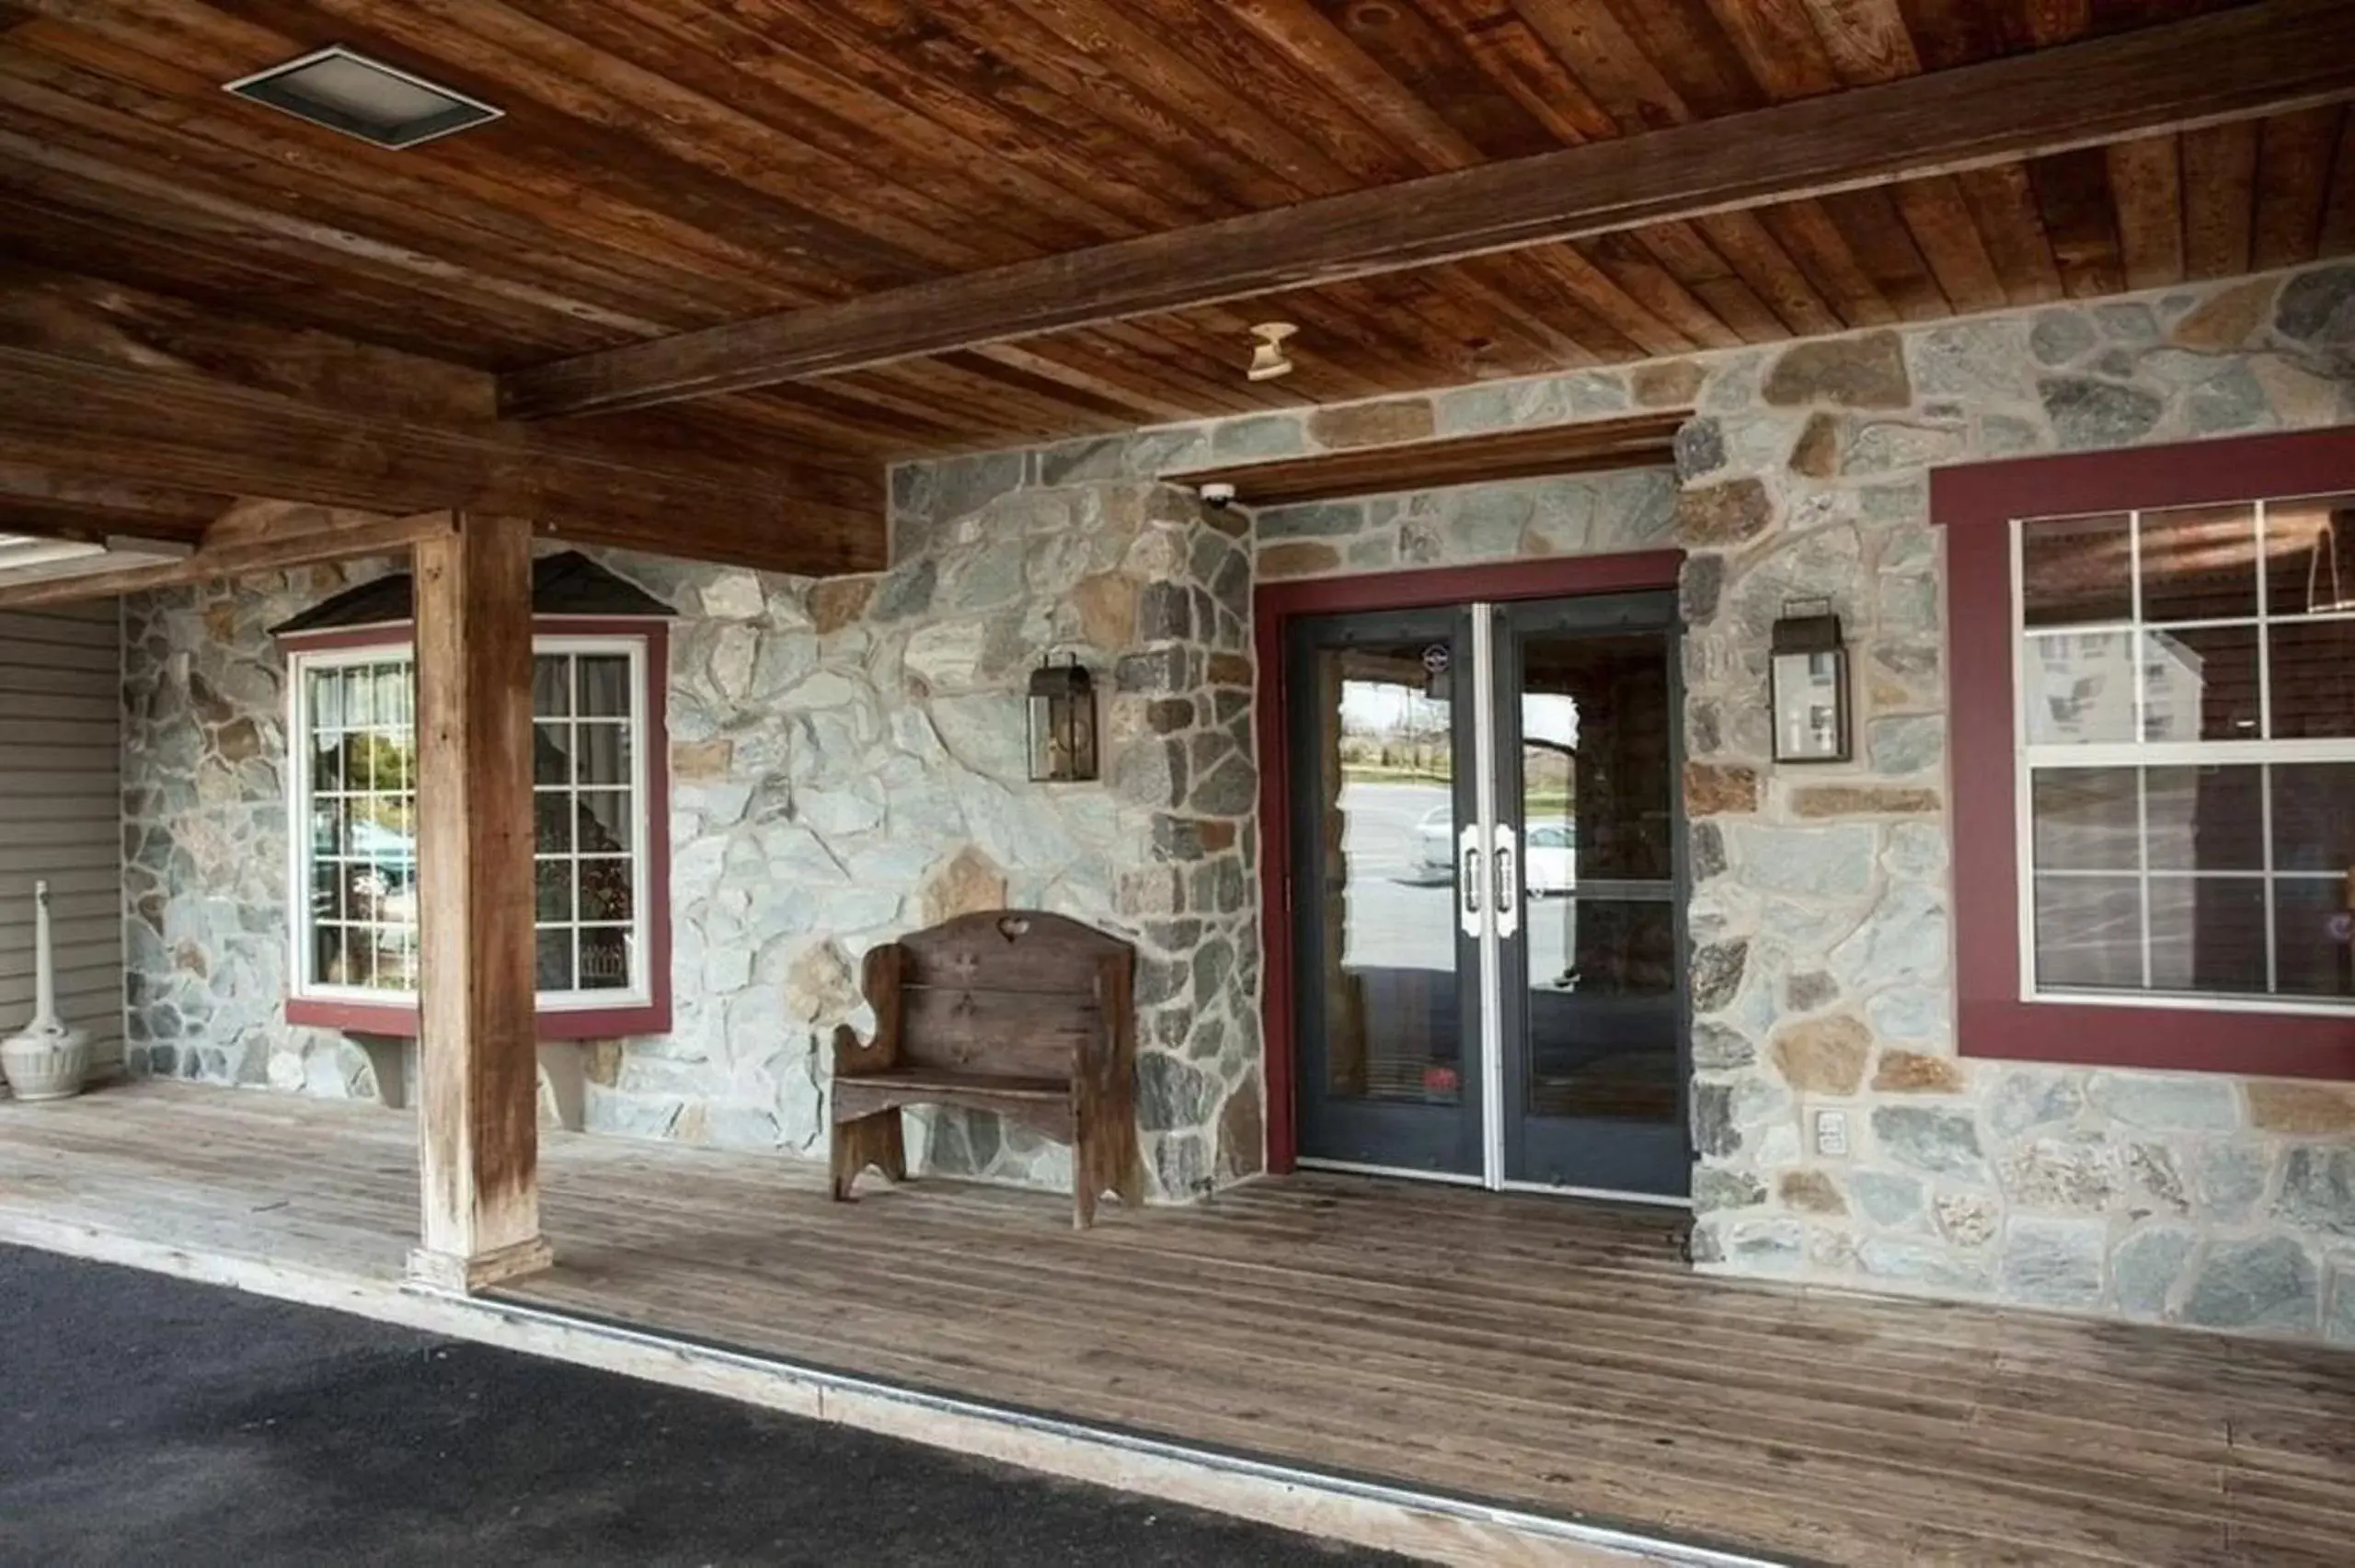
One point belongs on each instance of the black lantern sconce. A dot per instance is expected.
(1810, 680)
(1062, 724)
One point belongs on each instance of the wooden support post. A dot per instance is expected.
(478, 1099)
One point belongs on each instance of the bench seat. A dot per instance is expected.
(1018, 1014)
(923, 1082)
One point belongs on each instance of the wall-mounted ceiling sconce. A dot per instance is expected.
(1062, 724)
(1809, 674)
(1269, 358)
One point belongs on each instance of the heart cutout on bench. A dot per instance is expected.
(1014, 928)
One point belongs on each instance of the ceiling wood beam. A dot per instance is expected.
(171, 432)
(108, 323)
(1635, 441)
(25, 560)
(50, 311)
(2257, 60)
(38, 498)
(766, 500)
(306, 536)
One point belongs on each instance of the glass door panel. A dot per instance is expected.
(1385, 925)
(1587, 774)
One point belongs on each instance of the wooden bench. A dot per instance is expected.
(1028, 1015)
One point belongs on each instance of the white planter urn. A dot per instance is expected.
(47, 1061)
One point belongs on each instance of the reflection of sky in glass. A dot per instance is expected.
(1381, 708)
(2172, 688)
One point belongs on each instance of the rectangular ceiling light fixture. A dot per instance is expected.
(364, 98)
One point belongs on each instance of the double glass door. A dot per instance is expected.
(1484, 893)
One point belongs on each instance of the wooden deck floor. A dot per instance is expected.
(1522, 1349)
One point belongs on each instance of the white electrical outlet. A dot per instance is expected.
(1832, 1134)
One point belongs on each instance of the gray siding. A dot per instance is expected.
(61, 809)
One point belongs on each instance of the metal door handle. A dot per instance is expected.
(1506, 867)
(1469, 877)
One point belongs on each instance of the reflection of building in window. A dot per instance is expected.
(2188, 753)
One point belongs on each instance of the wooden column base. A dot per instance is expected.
(454, 1275)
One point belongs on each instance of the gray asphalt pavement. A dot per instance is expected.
(145, 1420)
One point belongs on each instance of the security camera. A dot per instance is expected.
(1219, 496)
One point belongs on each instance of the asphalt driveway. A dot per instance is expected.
(147, 1420)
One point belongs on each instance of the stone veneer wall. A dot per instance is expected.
(848, 764)
(1823, 969)
(1822, 972)
(1822, 959)
(204, 840)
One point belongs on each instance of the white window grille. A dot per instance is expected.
(353, 810)
(2186, 745)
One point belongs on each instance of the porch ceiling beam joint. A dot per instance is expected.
(170, 430)
(299, 536)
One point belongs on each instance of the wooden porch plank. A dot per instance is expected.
(1541, 1352)
(701, 1293)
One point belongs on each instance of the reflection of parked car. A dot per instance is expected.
(1436, 833)
(1551, 854)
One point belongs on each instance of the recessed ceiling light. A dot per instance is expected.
(364, 98)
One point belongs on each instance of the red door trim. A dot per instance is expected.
(1274, 606)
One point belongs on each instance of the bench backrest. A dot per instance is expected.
(1008, 993)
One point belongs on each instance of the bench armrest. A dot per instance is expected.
(880, 975)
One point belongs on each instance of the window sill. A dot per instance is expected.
(394, 1021)
(2160, 1039)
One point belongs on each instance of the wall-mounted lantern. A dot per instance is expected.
(1809, 678)
(1062, 724)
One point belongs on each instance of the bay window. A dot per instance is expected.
(2153, 698)
(598, 823)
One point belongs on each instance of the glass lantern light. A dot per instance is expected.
(1062, 724)
(1809, 682)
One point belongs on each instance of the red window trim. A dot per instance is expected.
(1273, 607)
(1976, 504)
(653, 1017)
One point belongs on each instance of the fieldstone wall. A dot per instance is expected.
(1822, 966)
(204, 840)
(848, 764)
(1820, 913)
(1587, 515)
(1602, 514)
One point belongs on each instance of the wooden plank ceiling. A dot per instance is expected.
(669, 164)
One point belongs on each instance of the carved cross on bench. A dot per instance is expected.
(1025, 1014)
